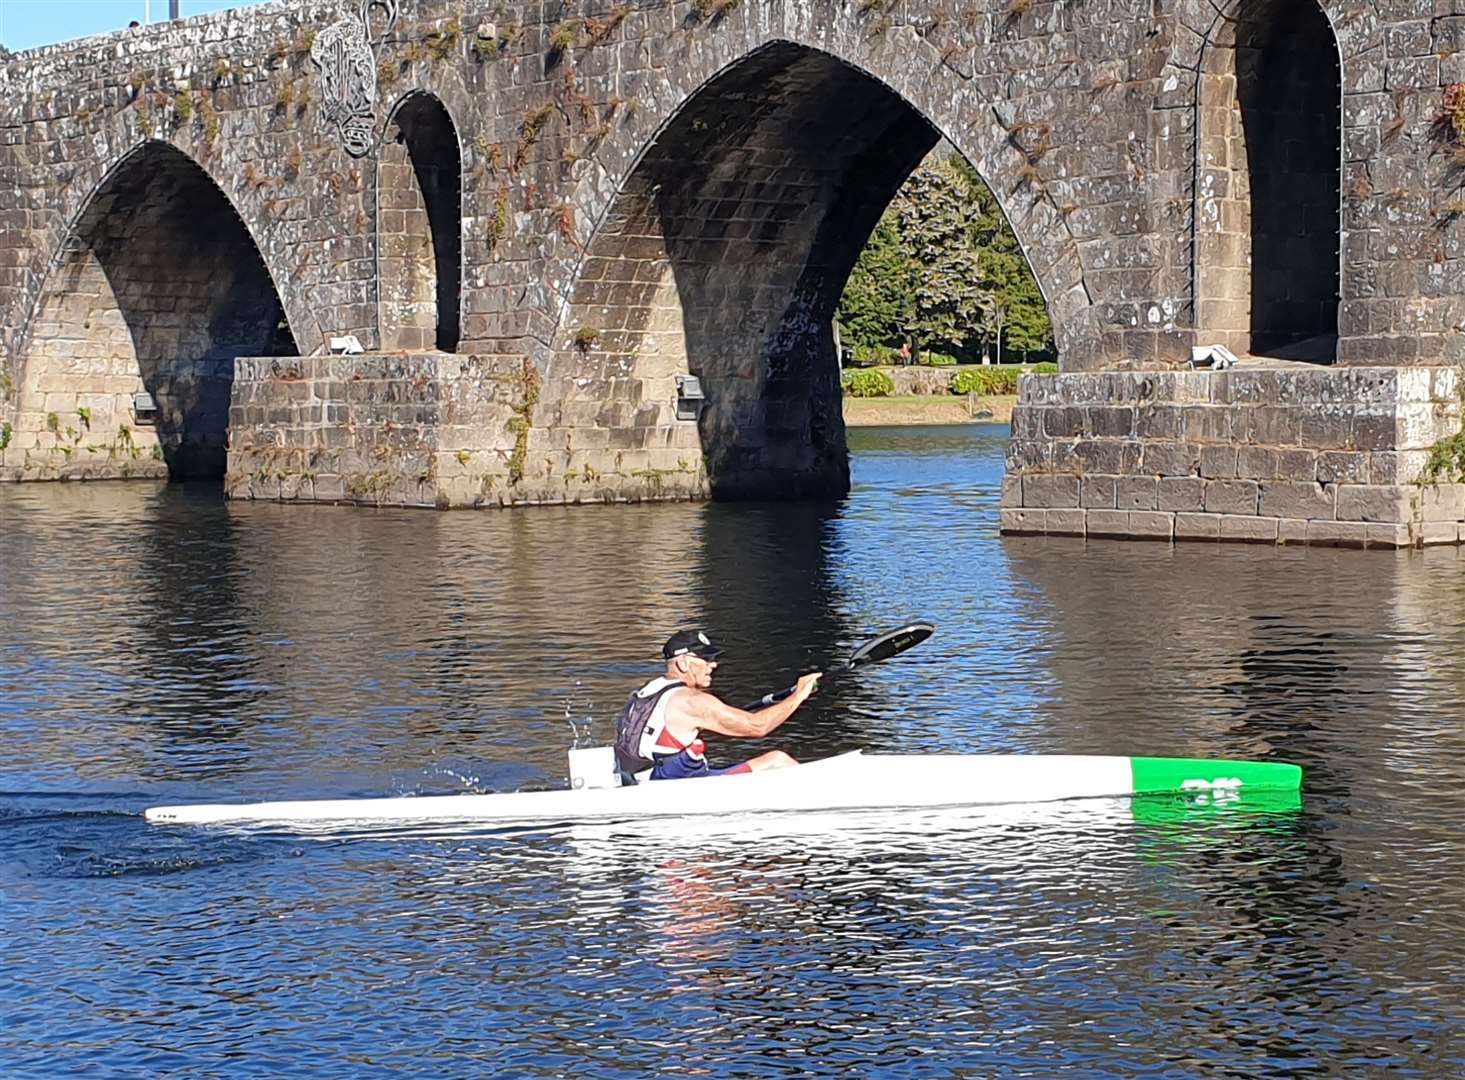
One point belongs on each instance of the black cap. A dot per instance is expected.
(689, 642)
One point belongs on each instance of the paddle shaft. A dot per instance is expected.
(891, 643)
(779, 695)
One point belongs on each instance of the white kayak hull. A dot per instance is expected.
(853, 781)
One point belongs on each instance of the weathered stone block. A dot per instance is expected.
(1110, 523)
(1064, 522)
(1231, 496)
(1027, 422)
(1256, 462)
(1291, 531)
(1337, 533)
(1439, 532)
(1111, 422)
(1218, 462)
(1136, 493)
(1374, 431)
(1113, 457)
(1397, 535)
(1159, 422)
(1208, 424)
(1050, 491)
(1287, 499)
(1151, 525)
(1271, 426)
(1299, 465)
(1170, 458)
(1375, 502)
(1061, 423)
(1098, 492)
(1441, 502)
(1248, 529)
(1343, 467)
(1177, 493)
(1012, 491)
(1395, 467)
(1023, 521)
(1029, 456)
(1197, 526)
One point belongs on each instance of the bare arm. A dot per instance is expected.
(703, 710)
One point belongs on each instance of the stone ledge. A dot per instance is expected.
(1182, 526)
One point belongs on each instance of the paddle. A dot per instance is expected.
(891, 643)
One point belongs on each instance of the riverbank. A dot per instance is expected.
(927, 409)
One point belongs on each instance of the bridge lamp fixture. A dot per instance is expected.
(144, 408)
(689, 397)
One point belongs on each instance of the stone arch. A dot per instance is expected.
(1268, 213)
(978, 127)
(420, 227)
(157, 286)
(723, 255)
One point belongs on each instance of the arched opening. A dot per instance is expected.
(1268, 207)
(723, 257)
(158, 289)
(943, 281)
(420, 226)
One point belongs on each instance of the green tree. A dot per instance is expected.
(944, 271)
(939, 224)
(878, 299)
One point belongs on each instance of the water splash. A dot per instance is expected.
(579, 733)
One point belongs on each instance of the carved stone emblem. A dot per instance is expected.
(346, 54)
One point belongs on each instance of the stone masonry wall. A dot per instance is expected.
(431, 430)
(1305, 456)
(1082, 117)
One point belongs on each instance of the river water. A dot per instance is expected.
(159, 645)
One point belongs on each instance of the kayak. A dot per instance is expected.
(852, 781)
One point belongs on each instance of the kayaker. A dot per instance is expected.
(659, 733)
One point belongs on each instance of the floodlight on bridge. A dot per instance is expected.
(144, 408)
(689, 397)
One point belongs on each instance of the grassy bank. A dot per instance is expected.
(926, 409)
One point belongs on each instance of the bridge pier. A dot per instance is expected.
(1352, 456)
(447, 431)
(443, 430)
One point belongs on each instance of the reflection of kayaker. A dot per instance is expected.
(659, 733)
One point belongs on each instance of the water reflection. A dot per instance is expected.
(160, 645)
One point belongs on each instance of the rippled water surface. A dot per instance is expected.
(159, 645)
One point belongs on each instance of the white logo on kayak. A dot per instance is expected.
(1223, 789)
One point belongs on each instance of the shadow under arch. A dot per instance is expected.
(158, 286)
(420, 227)
(1268, 214)
(724, 254)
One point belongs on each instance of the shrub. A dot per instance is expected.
(983, 380)
(936, 359)
(868, 383)
(996, 379)
(873, 355)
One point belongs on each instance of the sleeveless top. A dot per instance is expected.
(641, 735)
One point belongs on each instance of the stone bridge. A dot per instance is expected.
(537, 218)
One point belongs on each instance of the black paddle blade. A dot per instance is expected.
(892, 643)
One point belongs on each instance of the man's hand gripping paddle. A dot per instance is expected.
(891, 643)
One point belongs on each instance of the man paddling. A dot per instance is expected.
(659, 733)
